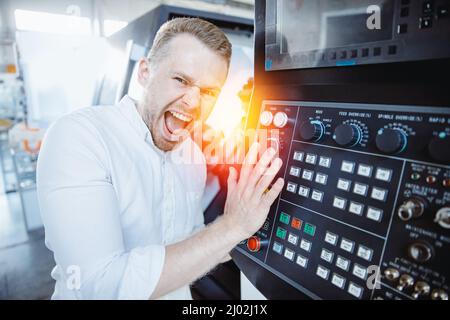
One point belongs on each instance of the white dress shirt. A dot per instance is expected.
(111, 201)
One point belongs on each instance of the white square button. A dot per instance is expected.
(356, 208)
(364, 170)
(374, 214)
(289, 254)
(364, 253)
(302, 261)
(343, 263)
(317, 195)
(308, 175)
(298, 155)
(360, 188)
(325, 162)
(311, 158)
(321, 178)
(338, 281)
(291, 187)
(331, 238)
(303, 191)
(347, 166)
(326, 255)
(379, 194)
(305, 245)
(292, 238)
(355, 290)
(344, 184)
(383, 174)
(339, 203)
(322, 272)
(347, 245)
(359, 271)
(294, 171)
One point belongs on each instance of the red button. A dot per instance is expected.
(296, 223)
(254, 244)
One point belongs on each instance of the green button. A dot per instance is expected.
(309, 229)
(285, 218)
(281, 233)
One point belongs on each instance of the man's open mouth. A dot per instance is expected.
(176, 121)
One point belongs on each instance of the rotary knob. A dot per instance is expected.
(420, 251)
(312, 130)
(439, 148)
(266, 118)
(280, 119)
(391, 140)
(347, 135)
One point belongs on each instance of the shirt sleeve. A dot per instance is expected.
(81, 216)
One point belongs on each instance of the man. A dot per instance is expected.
(122, 218)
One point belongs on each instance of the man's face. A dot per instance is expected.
(180, 88)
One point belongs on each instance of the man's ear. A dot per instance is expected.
(143, 71)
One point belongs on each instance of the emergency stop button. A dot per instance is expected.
(254, 244)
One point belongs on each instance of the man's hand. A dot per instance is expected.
(248, 203)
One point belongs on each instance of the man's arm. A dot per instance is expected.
(246, 209)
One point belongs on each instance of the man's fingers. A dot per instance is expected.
(267, 177)
(273, 193)
(248, 163)
(259, 170)
(232, 176)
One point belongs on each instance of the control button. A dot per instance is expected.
(254, 244)
(347, 245)
(325, 162)
(322, 272)
(391, 274)
(317, 195)
(405, 282)
(277, 247)
(266, 118)
(415, 176)
(446, 183)
(347, 166)
(365, 52)
(344, 184)
(359, 271)
(427, 7)
(291, 187)
(280, 119)
(439, 148)
(343, 55)
(355, 290)
(425, 22)
(305, 245)
(339, 203)
(402, 28)
(391, 141)
(333, 55)
(379, 194)
(326, 255)
(294, 171)
(296, 223)
(307, 175)
(289, 254)
(392, 50)
(311, 158)
(377, 51)
(342, 263)
(404, 12)
(439, 294)
(430, 179)
(364, 253)
(347, 135)
(442, 217)
(411, 208)
(303, 191)
(421, 289)
(364, 170)
(331, 238)
(383, 174)
(281, 233)
(321, 178)
(443, 11)
(374, 214)
(353, 53)
(356, 208)
(309, 229)
(312, 130)
(360, 189)
(292, 238)
(420, 251)
(338, 281)
(298, 155)
(302, 261)
(285, 218)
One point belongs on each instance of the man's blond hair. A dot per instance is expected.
(209, 34)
